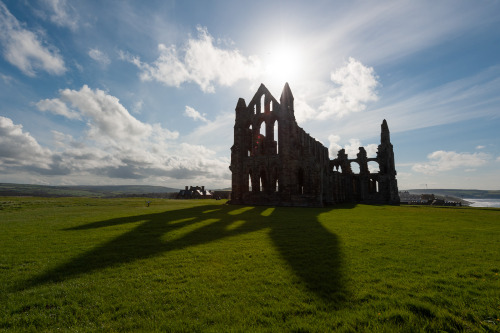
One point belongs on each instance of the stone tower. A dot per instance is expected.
(387, 173)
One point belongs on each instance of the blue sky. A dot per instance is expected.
(143, 92)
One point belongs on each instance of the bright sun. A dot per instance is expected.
(283, 64)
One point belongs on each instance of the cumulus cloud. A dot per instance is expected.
(355, 85)
(351, 149)
(62, 139)
(57, 107)
(303, 111)
(19, 148)
(108, 121)
(114, 145)
(441, 160)
(62, 14)
(99, 56)
(334, 145)
(192, 113)
(200, 61)
(25, 50)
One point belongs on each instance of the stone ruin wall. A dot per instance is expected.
(291, 168)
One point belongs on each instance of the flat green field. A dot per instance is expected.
(83, 264)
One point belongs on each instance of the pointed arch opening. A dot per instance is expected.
(262, 127)
(249, 139)
(261, 104)
(248, 184)
(274, 180)
(300, 181)
(276, 136)
(373, 167)
(355, 168)
(254, 181)
(374, 186)
(260, 138)
(263, 181)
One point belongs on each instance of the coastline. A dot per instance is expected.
(491, 203)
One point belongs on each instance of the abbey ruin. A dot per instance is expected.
(287, 167)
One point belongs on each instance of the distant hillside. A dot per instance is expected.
(470, 194)
(7, 189)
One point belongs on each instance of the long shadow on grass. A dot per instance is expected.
(311, 251)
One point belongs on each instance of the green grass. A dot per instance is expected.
(82, 264)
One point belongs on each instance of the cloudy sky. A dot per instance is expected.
(143, 92)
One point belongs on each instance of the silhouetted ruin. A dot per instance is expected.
(287, 167)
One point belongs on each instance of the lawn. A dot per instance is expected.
(85, 264)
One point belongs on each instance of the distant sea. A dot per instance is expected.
(484, 202)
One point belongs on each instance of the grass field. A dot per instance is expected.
(82, 264)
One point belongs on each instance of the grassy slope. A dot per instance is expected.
(114, 264)
(7, 189)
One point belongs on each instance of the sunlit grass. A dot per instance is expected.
(82, 264)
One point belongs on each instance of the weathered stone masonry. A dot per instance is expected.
(275, 162)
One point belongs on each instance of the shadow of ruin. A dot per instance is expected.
(288, 167)
(318, 264)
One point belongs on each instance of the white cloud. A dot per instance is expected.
(116, 145)
(192, 113)
(334, 145)
(384, 32)
(6, 78)
(351, 149)
(24, 49)
(137, 107)
(200, 61)
(480, 147)
(78, 66)
(108, 120)
(99, 56)
(440, 161)
(61, 139)
(63, 14)
(371, 150)
(355, 86)
(303, 111)
(467, 98)
(471, 97)
(211, 132)
(58, 107)
(19, 148)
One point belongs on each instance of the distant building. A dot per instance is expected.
(275, 162)
(195, 192)
(429, 199)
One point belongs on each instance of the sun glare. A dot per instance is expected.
(283, 64)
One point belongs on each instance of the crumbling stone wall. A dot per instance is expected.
(275, 162)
